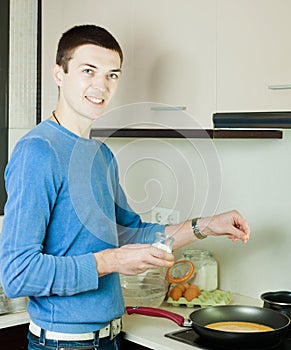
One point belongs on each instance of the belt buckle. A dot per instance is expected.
(115, 328)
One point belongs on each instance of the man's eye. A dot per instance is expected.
(113, 76)
(88, 71)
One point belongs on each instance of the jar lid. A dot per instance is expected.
(181, 271)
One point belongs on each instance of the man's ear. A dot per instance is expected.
(58, 73)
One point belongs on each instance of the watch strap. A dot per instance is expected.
(198, 234)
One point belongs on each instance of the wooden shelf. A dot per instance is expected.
(188, 133)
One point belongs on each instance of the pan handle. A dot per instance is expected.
(151, 311)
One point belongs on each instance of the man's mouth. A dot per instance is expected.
(95, 100)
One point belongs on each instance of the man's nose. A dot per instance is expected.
(99, 82)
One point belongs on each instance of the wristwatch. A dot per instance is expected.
(198, 234)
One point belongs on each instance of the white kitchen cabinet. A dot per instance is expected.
(169, 49)
(204, 55)
(253, 52)
(173, 59)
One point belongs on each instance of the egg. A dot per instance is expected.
(192, 292)
(176, 293)
(186, 285)
(182, 287)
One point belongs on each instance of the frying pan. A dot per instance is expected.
(202, 317)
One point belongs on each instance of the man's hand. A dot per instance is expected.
(132, 259)
(231, 224)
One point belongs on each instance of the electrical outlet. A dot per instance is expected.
(165, 216)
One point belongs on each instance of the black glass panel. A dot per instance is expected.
(4, 59)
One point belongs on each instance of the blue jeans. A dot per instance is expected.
(39, 343)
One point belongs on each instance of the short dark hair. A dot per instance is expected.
(82, 35)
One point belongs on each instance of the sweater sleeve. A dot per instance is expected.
(32, 183)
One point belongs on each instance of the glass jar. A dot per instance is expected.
(205, 268)
(164, 242)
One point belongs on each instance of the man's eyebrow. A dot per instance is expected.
(89, 65)
(116, 70)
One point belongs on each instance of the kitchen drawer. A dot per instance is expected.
(127, 345)
(14, 338)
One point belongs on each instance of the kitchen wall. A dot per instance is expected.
(255, 180)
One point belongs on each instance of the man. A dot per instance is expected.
(68, 230)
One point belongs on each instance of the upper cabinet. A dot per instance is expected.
(169, 57)
(198, 56)
(253, 54)
(172, 62)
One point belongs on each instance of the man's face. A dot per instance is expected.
(91, 81)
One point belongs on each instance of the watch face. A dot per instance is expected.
(196, 230)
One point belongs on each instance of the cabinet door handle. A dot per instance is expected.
(279, 87)
(168, 108)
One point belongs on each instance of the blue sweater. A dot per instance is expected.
(64, 203)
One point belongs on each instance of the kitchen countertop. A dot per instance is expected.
(149, 331)
(14, 319)
(144, 330)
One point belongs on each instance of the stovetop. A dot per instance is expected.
(190, 337)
